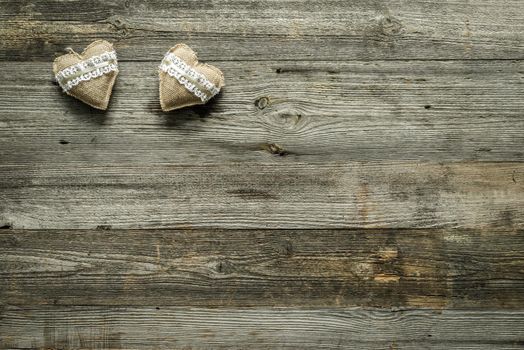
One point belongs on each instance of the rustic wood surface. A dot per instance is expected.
(188, 328)
(428, 268)
(358, 184)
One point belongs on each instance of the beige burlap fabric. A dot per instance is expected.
(173, 94)
(97, 91)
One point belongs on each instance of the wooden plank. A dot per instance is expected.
(254, 195)
(188, 328)
(269, 29)
(310, 112)
(262, 195)
(304, 268)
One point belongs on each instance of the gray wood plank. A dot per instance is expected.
(310, 112)
(262, 195)
(196, 328)
(305, 268)
(269, 29)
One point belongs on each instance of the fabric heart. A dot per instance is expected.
(186, 82)
(89, 76)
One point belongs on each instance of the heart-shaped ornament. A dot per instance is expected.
(88, 76)
(186, 82)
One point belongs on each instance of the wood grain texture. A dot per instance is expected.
(292, 268)
(270, 195)
(315, 112)
(264, 30)
(190, 328)
(388, 144)
(358, 184)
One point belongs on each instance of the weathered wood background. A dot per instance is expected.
(359, 183)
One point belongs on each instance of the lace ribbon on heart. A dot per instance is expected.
(192, 80)
(86, 70)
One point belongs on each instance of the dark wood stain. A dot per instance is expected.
(285, 268)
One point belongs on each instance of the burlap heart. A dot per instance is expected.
(89, 76)
(186, 82)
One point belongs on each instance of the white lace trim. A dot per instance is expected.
(86, 70)
(182, 72)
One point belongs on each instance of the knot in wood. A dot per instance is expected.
(388, 26)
